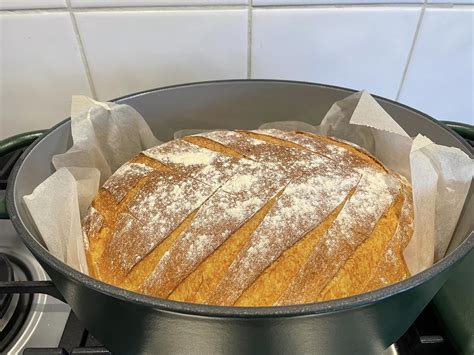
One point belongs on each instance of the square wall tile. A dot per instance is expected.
(31, 4)
(440, 78)
(329, 2)
(40, 69)
(136, 50)
(359, 48)
(118, 3)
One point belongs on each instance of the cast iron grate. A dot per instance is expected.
(426, 336)
(76, 340)
(15, 307)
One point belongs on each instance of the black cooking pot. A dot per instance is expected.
(127, 322)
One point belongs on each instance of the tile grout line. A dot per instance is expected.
(410, 53)
(249, 39)
(341, 5)
(81, 50)
(69, 8)
(233, 7)
(387, 4)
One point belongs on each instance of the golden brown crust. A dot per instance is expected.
(250, 218)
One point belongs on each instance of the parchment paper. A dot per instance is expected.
(106, 135)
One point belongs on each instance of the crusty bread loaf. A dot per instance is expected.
(250, 218)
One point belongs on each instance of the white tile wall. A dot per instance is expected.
(114, 3)
(440, 78)
(357, 47)
(31, 4)
(133, 51)
(41, 68)
(51, 49)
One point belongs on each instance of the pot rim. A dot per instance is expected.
(318, 308)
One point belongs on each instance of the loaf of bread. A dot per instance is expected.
(250, 218)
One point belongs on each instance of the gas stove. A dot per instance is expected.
(35, 320)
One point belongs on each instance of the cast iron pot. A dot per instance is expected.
(130, 323)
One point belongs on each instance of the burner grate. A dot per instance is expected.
(17, 306)
(76, 340)
(426, 336)
(6, 275)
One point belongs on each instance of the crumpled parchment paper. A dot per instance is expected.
(106, 135)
